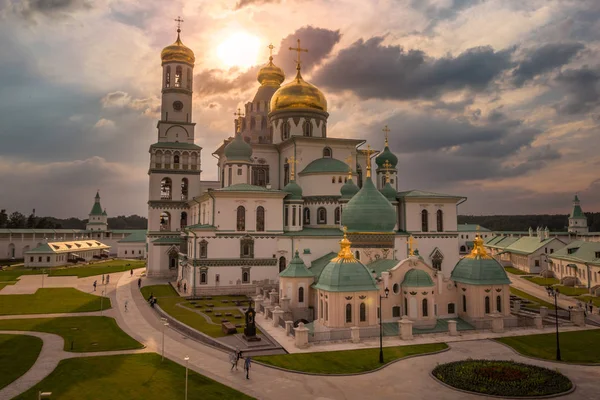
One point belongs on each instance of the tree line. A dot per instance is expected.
(556, 223)
(17, 220)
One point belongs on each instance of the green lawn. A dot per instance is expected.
(13, 273)
(168, 300)
(85, 333)
(346, 362)
(17, 354)
(575, 347)
(4, 284)
(98, 268)
(571, 291)
(538, 280)
(515, 271)
(537, 302)
(50, 301)
(128, 377)
(586, 299)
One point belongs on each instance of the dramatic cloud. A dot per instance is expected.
(544, 59)
(245, 3)
(119, 99)
(50, 8)
(373, 70)
(583, 90)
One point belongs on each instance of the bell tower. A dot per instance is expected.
(174, 171)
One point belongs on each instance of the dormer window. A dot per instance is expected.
(598, 254)
(572, 250)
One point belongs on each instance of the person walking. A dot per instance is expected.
(95, 283)
(140, 283)
(126, 302)
(247, 366)
(107, 279)
(131, 273)
(185, 288)
(103, 279)
(233, 360)
(179, 286)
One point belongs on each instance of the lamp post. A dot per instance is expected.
(165, 324)
(554, 292)
(43, 273)
(387, 292)
(186, 358)
(101, 302)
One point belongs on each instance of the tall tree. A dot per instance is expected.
(16, 221)
(3, 218)
(31, 221)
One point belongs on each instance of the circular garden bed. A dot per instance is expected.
(502, 378)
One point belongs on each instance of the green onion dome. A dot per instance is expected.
(369, 211)
(294, 191)
(349, 189)
(389, 192)
(386, 155)
(296, 269)
(479, 268)
(238, 149)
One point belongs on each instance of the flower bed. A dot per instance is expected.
(502, 378)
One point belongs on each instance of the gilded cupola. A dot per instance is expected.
(178, 52)
(270, 74)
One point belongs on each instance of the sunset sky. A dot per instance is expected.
(498, 101)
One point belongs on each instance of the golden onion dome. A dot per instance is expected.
(177, 52)
(270, 74)
(298, 94)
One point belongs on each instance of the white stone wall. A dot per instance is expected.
(226, 212)
(415, 206)
(131, 250)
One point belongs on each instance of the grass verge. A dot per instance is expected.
(17, 354)
(575, 347)
(128, 377)
(51, 301)
(536, 302)
(83, 333)
(538, 280)
(515, 271)
(346, 362)
(98, 268)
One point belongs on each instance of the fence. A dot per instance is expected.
(369, 332)
(281, 322)
(325, 336)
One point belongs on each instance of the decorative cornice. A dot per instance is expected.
(235, 262)
(168, 204)
(321, 199)
(174, 171)
(178, 90)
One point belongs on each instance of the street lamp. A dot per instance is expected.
(165, 324)
(101, 301)
(186, 358)
(43, 273)
(387, 292)
(554, 292)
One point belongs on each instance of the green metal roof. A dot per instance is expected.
(97, 208)
(245, 187)
(168, 240)
(369, 211)
(43, 248)
(389, 192)
(238, 149)
(317, 266)
(417, 278)
(585, 252)
(422, 193)
(200, 226)
(316, 232)
(528, 245)
(136, 237)
(386, 155)
(577, 213)
(349, 189)
(479, 271)
(471, 228)
(296, 269)
(382, 265)
(342, 275)
(330, 165)
(176, 145)
(293, 190)
(503, 243)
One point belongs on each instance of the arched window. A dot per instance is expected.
(260, 219)
(241, 218)
(424, 221)
(165, 189)
(326, 311)
(425, 309)
(383, 182)
(464, 303)
(282, 264)
(307, 128)
(357, 255)
(178, 72)
(463, 249)
(203, 249)
(184, 189)
(440, 221)
(176, 159)
(339, 179)
(285, 130)
(168, 77)
(306, 216)
(348, 313)
(300, 294)
(321, 308)
(487, 304)
(327, 152)
(321, 215)
(286, 216)
(499, 304)
(183, 220)
(363, 312)
(359, 177)
(293, 215)
(202, 277)
(245, 277)
(333, 179)
(286, 172)
(451, 309)
(337, 216)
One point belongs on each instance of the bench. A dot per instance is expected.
(228, 328)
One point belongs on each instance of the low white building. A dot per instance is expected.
(132, 246)
(466, 235)
(54, 254)
(578, 264)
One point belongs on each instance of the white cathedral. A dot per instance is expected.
(285, 194)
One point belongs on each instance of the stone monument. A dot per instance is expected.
(250, 328)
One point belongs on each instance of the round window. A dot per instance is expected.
(177, 105)
(396, 288)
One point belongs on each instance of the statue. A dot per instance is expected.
(250, 328)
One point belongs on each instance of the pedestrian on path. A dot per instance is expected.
(95, 283)
(185, 288)
(179, 286)
(140, 283)
(103, 279)
(247, 366)
(233, 360)
(107, 279)
(126, 302)
(131, 273)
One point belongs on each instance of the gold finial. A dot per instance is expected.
(298, 50)
(239, 117)
(271, 47)
(345, 253)
(387, 166)
(369, 152)
(478, 249)
(349, 162)
(179, 20)
(292, 161)
(386, 130)
(411, 245)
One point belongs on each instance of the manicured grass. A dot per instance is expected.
(586, 299)
(159, 291)
(98, 268)
(538, 280)
(4, 284)
(17, 354)
(515, 271)
(85, 333)
(128, 377)
(13, 273)
(571, 291)
(575, 347)
(346, 362)
(502, 378)
(537, 302)
(50, 301)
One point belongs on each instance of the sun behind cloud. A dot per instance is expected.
(239, 49)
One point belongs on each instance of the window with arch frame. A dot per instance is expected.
(301, 294)
(285, 130)
(321, 216)
(327, 153)
(424, 221)
(178, 76)
(440, 220)
(348, 313)
(425, 310)
(306, 216)
(245, 277)
(363, 312)
(337, 215)
(203, 279)
(241, 219)
(487, 305)
(499, 303)
(260, 219)
(307, 128)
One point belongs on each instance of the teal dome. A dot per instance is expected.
(293, 190)
(479, 268)
(296, 269)
(369, 211)
(349, 189)
(238, 150)
(389, 192)
(417, 278)
(386, 155)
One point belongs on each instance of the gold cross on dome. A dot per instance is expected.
(292, 161)
(298, 50)
(271, 47)
(349, 162)
(179, 20)
(386, 130)
(369, 152)
(411, 245)
(238, 113)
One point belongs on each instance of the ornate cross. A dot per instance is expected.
(238, 113)
(271, 47)
(298, 50)
(386, 130)
(411, 245)
(387, 166)
(179, 20)
(369, 152)
(239, 116)
(292, 161)
(349, 162)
